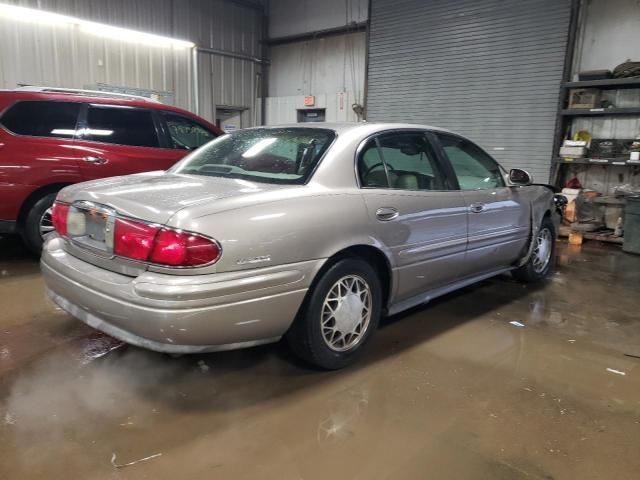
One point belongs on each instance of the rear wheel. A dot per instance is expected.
(339, 316)
(543, 256)
(37, 222)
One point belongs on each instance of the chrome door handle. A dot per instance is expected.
(385, 214)
(95, 160)
(476, 207)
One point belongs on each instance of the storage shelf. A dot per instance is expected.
(595, 112)
(599, 161)
(607, 84)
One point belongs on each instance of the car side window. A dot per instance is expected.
(186, 134)
(403, 161)
(474, 169)
(42, 119)
(121, 125)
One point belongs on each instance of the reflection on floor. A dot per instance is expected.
(448, 390)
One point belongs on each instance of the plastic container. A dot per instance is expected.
(575, 238)
(632, 226)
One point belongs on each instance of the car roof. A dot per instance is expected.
(106, 99)
(368, 127)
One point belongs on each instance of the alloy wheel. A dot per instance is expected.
(346, 313)
(46, 222)
(542, 250)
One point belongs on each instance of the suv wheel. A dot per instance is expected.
(339, 316)
(38, 222)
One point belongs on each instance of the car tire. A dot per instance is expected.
(339, 315)
(542, 259)
(31, 228)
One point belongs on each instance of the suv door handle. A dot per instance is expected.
(385, 214)
(476, 207)
(95, 160)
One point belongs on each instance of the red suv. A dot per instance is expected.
(50, 138)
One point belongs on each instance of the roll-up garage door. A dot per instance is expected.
(489, 69)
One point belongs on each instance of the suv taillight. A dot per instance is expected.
(59, 214)
(162, 245)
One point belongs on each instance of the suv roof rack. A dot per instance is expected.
(93, 93)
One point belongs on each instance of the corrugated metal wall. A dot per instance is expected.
(214, 24)
(64, 56)
(293, 17)
(332, 69)
(332, 64)
(337, 107)
(490, 69)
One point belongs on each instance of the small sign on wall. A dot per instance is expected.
(309, 100)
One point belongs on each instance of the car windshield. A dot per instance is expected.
(272, 155)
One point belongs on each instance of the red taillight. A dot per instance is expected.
(59, 214)
(162, 245)
(133, 239)
(183, 249)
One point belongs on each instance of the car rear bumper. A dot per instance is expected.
(178, 313)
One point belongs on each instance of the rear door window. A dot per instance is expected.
(184, 133)
(42, 119)
(400, 160)
(121, 125)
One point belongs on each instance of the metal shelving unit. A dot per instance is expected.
(566, 115)
(593, 112)
(598, 161)
(608, 84)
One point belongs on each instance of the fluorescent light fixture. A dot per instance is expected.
(32, 15)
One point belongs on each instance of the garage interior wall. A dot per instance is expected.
(36, 54)
(305, 61)
(489, 69)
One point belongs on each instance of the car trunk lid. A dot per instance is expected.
(152, 197)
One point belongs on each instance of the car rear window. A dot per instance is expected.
(42, 119)
(121, 125)
(272, 155)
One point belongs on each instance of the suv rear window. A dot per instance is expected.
(42, 119)
(186, 134)
(121, 125)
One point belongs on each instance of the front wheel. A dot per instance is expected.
(543, 256)
(339, 315)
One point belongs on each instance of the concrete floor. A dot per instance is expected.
(449, 390)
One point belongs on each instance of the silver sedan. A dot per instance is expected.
(309, 232)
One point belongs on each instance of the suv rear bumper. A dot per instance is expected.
(178, 313)
(8, 226)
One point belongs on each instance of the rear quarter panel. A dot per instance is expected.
(296, 229)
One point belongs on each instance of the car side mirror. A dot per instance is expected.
(520, 177)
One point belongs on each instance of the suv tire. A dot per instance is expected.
(31, 228)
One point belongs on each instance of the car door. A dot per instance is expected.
(36, 149)
(498, 215)
(121, 140)
(416, 214)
